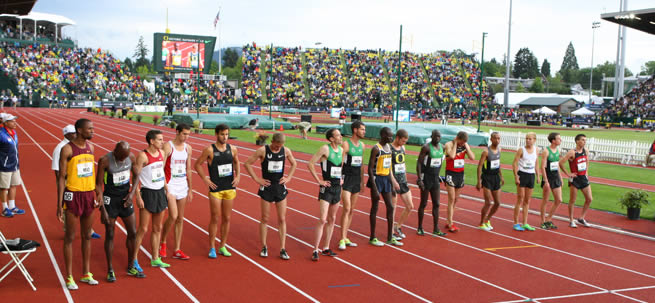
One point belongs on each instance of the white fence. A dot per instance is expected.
(625, 152)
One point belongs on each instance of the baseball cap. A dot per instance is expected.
(8, 117)
(69, 129)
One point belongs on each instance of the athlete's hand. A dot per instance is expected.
(284, 180)
(60, 214)
(189, 196)
(420, 184)
(478, 186)
(263, 182)
(396, 186)
(209, 183)
(127, 202)
(324, 183)
(502, 182)
(95, 203)
(517, 180)
(236, 181)
(139, 202)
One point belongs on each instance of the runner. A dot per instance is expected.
(76, 196)
(272, 187)
(399, 169)
(490, 180)
(180, 191)
(578, 180)
(428, 166)
(152, 201)
(9, 167)
(551, 180)
(455, 150)
(114, 175)
(523, 166)
(331, 158)
(224, 175)
(353, 179)
(380, 181)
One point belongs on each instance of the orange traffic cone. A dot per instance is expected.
(281, 128)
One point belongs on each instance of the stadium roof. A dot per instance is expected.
(16, 7)
(56, 19)
(546, 101)
(643, 19)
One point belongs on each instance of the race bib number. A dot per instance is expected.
(178, 170)
(275, 166)
(459, 163)
(386, 162)
(68, 196)
(495, 164)
(528, 165)
(225, 170)
(554, 166)
(356, 161)
(121, 178)
(399, 168)
(335, 172)
(106, 199)
(157, 174)
(85, 169)
(582, 166)
(435, 162)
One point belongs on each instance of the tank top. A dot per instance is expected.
(221, 169)
(552, 163)
(492, 165)
(398, 162)
(273, 165)
(383, 161)
(152, 175)
(331, 166)
(80, 171)
(433, 160)
(175, 168)
(578, 164)
(456, 164)
(353, 164)
(527, 161)
(117, 176)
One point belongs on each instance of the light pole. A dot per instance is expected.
(594, 26)
(480, 84)
(507, 58)
(400, 52)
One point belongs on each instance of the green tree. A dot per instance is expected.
(143, 71)
(526, 65)
(545, 68)
(537, 86)
(128, 64)
(213, 68)
(648, 68)
(569, 63)
(230, 58)
(493, 69)
(520, 88)
(234, 73)
(141, 53)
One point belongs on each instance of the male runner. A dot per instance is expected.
(578, 180)
(176, 56)
(490, 179)
(428, 166)
(523, 166)
(9, 168)
(152, 200)
(224, 168)
(331, 158)
(180, 191)
(272, 187)
(115, 171)
(380, 181)
(455, 150)
(399, 169)
(353, 179)
(76, 196)
(551, 180)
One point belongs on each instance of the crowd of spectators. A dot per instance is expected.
(286, 87)
(10, 28)
(182, 93)
(414, 90)
(367, 82)
(638, 103)
(250, 74)
(326, 77)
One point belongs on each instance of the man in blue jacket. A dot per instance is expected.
(9, 173)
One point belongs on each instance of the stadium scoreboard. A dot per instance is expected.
(183, 53)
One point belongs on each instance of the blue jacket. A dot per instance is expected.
(8, 151)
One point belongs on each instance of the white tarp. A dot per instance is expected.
(582, 112)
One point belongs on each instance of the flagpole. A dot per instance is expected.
(220, 51)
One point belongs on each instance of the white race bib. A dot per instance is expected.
(399, 168)
(225, 170)
(528, 164)
(275, 166)
(356, 161)
(335, 172)
(435, 162)
(157, 174)
(121, 178)
(178, 170)
(85, 169)
(459, 163)
(495, 164)
(386, 162)
(106, 199)
(554, 166)
(582, 166)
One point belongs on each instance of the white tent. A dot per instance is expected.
(582, 112)
(544, 110)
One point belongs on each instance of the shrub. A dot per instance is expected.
(155, 120)
(138, 118)
(634, 199)
(196, 123)
(112, 114)
(130, 116)
(172, 124)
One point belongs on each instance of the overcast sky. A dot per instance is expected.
(544, 26)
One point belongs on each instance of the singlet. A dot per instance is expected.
(492, 165)
(433, 160)
(398, 162)
(221, 169)
(456, 164)
(193, 58)
(80, 171)
(117, 176)
(528, 161)
(552, 163)
(331, 166)
(383, 161)
(177, 57)
(152, 175)
(273, 165)
(353, 164)
(175, 168)
(164, 54)
(578, 164)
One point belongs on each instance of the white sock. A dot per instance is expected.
(12, 204)
(4, 205)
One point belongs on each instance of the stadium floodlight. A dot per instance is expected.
(484, 35)
(594, 26)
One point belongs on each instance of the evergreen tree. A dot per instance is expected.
(545, 68)
(230, 58)
(141, 54)
(526, 65)
(569, 64)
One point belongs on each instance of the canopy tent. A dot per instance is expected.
(582, 112)
(544, 110)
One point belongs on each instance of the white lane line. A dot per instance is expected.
(634, 288)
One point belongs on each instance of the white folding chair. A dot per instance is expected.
(17, 258)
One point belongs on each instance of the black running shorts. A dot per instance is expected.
(526, 179)
(491, 181)
(273, 193)
(114, 206)
(330, 194)
(352, 183)
(580, 182)
(455, 179)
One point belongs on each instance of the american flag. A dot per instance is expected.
(217, 18)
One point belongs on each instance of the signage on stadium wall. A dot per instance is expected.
(334, 113)
(238, 110)
(118, 104)
(402, 116)
(84, 104)
(149, 108)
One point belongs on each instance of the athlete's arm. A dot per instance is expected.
(361, 171)
(236, 166)
(135, 178)
(100, 174)
(141, 160)
(483, 158)
(570, 154)
(371, 166)
(515, 165)
(293, 163)
(536, 164)
(318, 156)
(502, 179)
(189, 173)
(451, 149)
(542, 167)
(419, 168)
(206, 153)
(469, 153)
(257, 155)
(66, 153)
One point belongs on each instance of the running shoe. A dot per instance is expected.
(133, 271)
(111, 277)
(396, 237)
(350, 243)
(223, 251)
(452, 228)
(439, 233)
(95, 235)
(545, 225)
(136, 265)
(212, 253)
(88, 278)
(376, 242)
(342, 244)
(162, 250)
(394, 242)
(420, 232)
(264, 252)
(583, 222)
(552, 226)
(8, 214)
(180, 255)
(328, 252)
(315, 255)
(400, 233)
(518, 227)
(284, 255)
(484, 227)
(17, 211)
(489, 225)
(528, 227)
(573, 225)
(158, 263)
(70, 283)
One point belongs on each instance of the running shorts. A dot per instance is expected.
(114, 205)
(455, 179)
(154, 200)
(352, 183)
(331, 195)
(273, 193)
(580, 182)
(491, 182)
(79, 203)
(526, 180)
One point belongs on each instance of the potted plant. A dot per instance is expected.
(112, 114)
(155, 120)
(138, 118)
(173, 124)
(196, 126)
(260, 138)
(130, 116)
(633, 201)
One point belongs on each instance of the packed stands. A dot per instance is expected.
(639, 102)
(287, 87)
(413, 85)
(367, 79)
(326, 77)
(250, 74)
